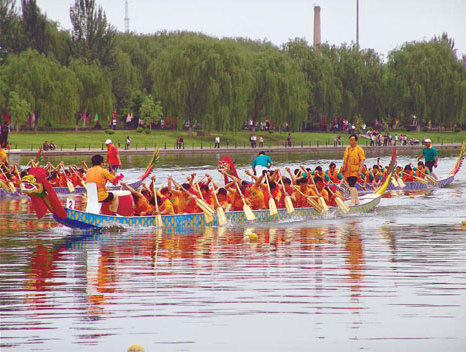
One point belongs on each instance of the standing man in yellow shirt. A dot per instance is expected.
(353, 163)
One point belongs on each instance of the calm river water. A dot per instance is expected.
(394, 280)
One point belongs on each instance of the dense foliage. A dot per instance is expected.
(217, 83)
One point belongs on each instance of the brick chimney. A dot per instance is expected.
(317, 40)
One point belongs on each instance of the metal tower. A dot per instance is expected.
(126, 17)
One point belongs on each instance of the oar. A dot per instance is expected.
(158, 217)
(394, 182)
(272, 206)
(19, 176)
(222, 218)
(399, 180)
(430, 178)
(207, 216)
(11, 186)
(288, 202)
(203, 205)
(341, 204)
(417, 178)
(80, 178)
(246, 208)
(311, 201)
(68, 182)
(322, 201)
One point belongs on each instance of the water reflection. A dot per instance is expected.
(385, 279)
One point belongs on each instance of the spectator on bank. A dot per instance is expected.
(217, 142)
(52, 146)
(128, 142)
(261, 141)
(288, 140)
(179, 142)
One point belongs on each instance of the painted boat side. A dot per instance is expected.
(83, 220)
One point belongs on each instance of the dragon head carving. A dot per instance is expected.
(31, 187)
(43, 196)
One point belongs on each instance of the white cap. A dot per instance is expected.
(108, 141)
(427, 140)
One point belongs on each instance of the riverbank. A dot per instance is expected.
(147, 150)
(233, 140)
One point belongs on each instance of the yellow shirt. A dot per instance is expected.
(256, 197)
(3, 156)
(352, 160)
(97, 174)
(167, 207)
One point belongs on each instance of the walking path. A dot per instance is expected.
(148, 150)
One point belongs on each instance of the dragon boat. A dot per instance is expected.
(44, 199)
(441, 182)
(65, 191)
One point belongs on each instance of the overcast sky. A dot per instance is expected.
(383, 26)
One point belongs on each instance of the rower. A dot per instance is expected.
(332, 174)
(98, 175)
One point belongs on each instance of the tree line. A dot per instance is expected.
(58, 75)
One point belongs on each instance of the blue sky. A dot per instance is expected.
(384, 24)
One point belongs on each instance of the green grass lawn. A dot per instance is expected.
(96, 139)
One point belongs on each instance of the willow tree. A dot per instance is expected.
(95, 89)
(126, 79)
(431, 80)
(18, 109)
(49, 88)
(323, 87)
(201, 80)
(279, 90)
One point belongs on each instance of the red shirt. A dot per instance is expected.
(113, 157)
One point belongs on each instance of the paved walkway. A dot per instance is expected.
(382, 150)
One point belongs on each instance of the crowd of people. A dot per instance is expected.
(378, 139)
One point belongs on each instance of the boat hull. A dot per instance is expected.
(82, 220)
(411, 186)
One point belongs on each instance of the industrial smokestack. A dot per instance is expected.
(317, 41)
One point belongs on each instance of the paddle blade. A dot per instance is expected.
(432, 180)
(222, 218)
(272, 207)
(158, 220)
(315, 205)
(323, 203)
(204, 207)
(208, 218)
(395, 184)
(248, 213)
(401, 183)
(289, 205)
(341, 205)
(12, 187)
(3, 185)
(70, 186)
